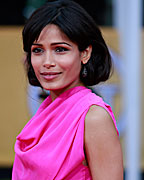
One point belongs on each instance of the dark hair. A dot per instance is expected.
(80, 28)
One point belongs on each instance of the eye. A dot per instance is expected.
(60, 49)
(37, 50)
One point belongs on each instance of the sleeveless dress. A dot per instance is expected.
(51, 145)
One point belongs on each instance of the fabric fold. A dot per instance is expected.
(51, 144)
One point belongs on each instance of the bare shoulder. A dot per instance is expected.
(98, 118)
(99, 127)
(102, 145)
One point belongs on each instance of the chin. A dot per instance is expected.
(52, 87)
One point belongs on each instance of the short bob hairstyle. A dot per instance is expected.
(80, 28)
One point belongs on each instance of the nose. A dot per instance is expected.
(48, 60)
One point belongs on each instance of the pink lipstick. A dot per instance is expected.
(50, 75)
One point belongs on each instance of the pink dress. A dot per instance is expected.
(50, 147)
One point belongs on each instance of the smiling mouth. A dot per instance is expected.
(50, 75)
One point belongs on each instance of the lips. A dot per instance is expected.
(50, 75)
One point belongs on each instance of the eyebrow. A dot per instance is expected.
(56, 43)
(36, 44)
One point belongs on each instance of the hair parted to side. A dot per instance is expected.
(80, 28)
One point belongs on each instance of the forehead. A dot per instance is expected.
(52, 33)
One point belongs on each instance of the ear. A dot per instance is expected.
(86, 54)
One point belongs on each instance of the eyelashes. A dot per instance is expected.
(37, 50)
(59, 49)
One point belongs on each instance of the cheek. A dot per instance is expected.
(70, 63)
(35, 63)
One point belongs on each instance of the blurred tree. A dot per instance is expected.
(31, 6)
(14, 12)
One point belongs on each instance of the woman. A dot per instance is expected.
(73, 135)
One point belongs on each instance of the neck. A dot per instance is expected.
(55, 93)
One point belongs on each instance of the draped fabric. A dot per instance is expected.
(51, 145)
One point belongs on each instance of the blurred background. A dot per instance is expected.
(19, 101)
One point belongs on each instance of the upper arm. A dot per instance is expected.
(102, 145)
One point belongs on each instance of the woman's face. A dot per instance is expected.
(56, 60)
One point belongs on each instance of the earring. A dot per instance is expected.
(84, 73)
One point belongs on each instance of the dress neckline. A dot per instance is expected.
(66, 94)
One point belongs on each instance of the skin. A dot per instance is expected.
(57, 61)
(54, 53)
(102, 146)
